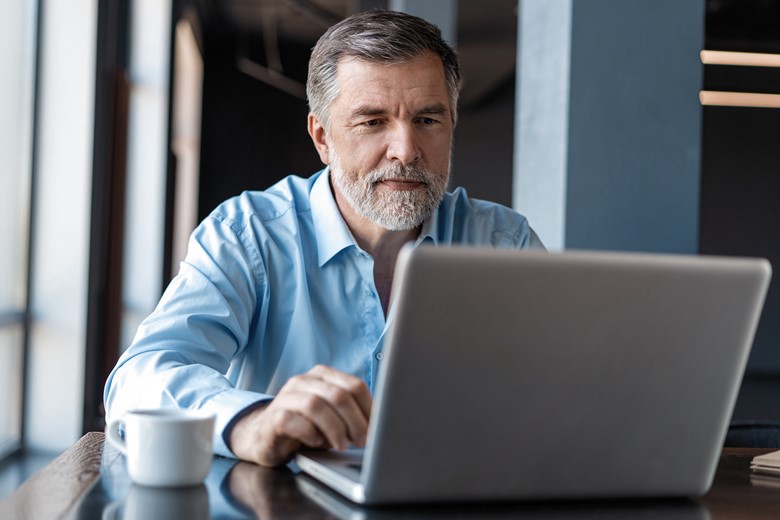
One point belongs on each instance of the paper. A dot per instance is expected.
(767, 464)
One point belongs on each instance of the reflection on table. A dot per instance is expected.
(243, 490)
(90, 481)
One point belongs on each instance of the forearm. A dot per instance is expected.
(166, 379)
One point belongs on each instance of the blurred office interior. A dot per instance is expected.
(124, 122)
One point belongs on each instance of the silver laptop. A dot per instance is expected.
(518, 375)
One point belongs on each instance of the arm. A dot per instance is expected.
(189, 352)
(182, 352)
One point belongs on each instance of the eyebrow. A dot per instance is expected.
(435, 109)
(369, 110)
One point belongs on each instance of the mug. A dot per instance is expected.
(164, 447)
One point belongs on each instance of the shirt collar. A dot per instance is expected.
(429, 227)
(330, 229)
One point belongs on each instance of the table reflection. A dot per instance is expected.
(236, 489)
(268, 493)
(283, 493)
(341, 508)
(147, 503)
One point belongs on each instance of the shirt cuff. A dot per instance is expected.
(228, 406)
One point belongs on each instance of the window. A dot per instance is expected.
(17, 61)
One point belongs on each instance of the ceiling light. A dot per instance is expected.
(746, 59)
(739, 99)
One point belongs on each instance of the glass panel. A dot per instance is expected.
(150, 37)
(10, 387)
(17, 55)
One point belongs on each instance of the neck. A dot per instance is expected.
(382, 244)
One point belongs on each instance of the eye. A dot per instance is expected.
(372, 122)
(427, 121)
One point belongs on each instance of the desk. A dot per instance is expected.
(90, 480)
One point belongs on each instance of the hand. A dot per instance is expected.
(323, 408)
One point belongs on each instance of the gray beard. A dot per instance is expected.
(394, 210)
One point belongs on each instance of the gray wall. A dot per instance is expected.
(608, 109)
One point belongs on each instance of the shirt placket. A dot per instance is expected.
(372, 316)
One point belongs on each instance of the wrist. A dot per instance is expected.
(228, 433)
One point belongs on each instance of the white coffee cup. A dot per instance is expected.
(166, 446)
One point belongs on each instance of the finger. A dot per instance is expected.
(354, 385)
(270, 435)
(318, 411)
(344, 403)
(283, 434)
(290, 425)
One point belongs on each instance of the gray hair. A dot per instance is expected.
(381, 37)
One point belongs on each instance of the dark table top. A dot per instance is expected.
(90, 480)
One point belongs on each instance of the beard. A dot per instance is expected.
(394, 210)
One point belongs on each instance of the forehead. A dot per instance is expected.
(419, 80)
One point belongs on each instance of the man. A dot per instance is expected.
(276, 318)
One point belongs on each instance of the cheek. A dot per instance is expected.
(365, 154)
(440, 151)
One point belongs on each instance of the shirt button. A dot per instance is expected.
(379, 356)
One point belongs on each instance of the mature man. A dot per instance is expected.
(276, 318)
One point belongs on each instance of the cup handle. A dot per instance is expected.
(112, 434)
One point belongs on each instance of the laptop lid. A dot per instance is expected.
(530, 375)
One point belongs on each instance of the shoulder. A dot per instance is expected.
(467, 220)
(243, 228)
(255, 219)
(288, 197)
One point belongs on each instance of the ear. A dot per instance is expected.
(318, 137)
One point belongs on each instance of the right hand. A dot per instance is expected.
(323, 408)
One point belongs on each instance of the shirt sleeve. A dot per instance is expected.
(182, 352)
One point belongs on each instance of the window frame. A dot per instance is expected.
(20, 316)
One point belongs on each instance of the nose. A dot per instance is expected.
(402, 145)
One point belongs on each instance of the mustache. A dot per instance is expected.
(399, 172)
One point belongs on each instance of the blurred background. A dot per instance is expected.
(124, 122)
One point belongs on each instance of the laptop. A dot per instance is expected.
(522, 375)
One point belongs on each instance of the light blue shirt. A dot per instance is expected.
(274, 283)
